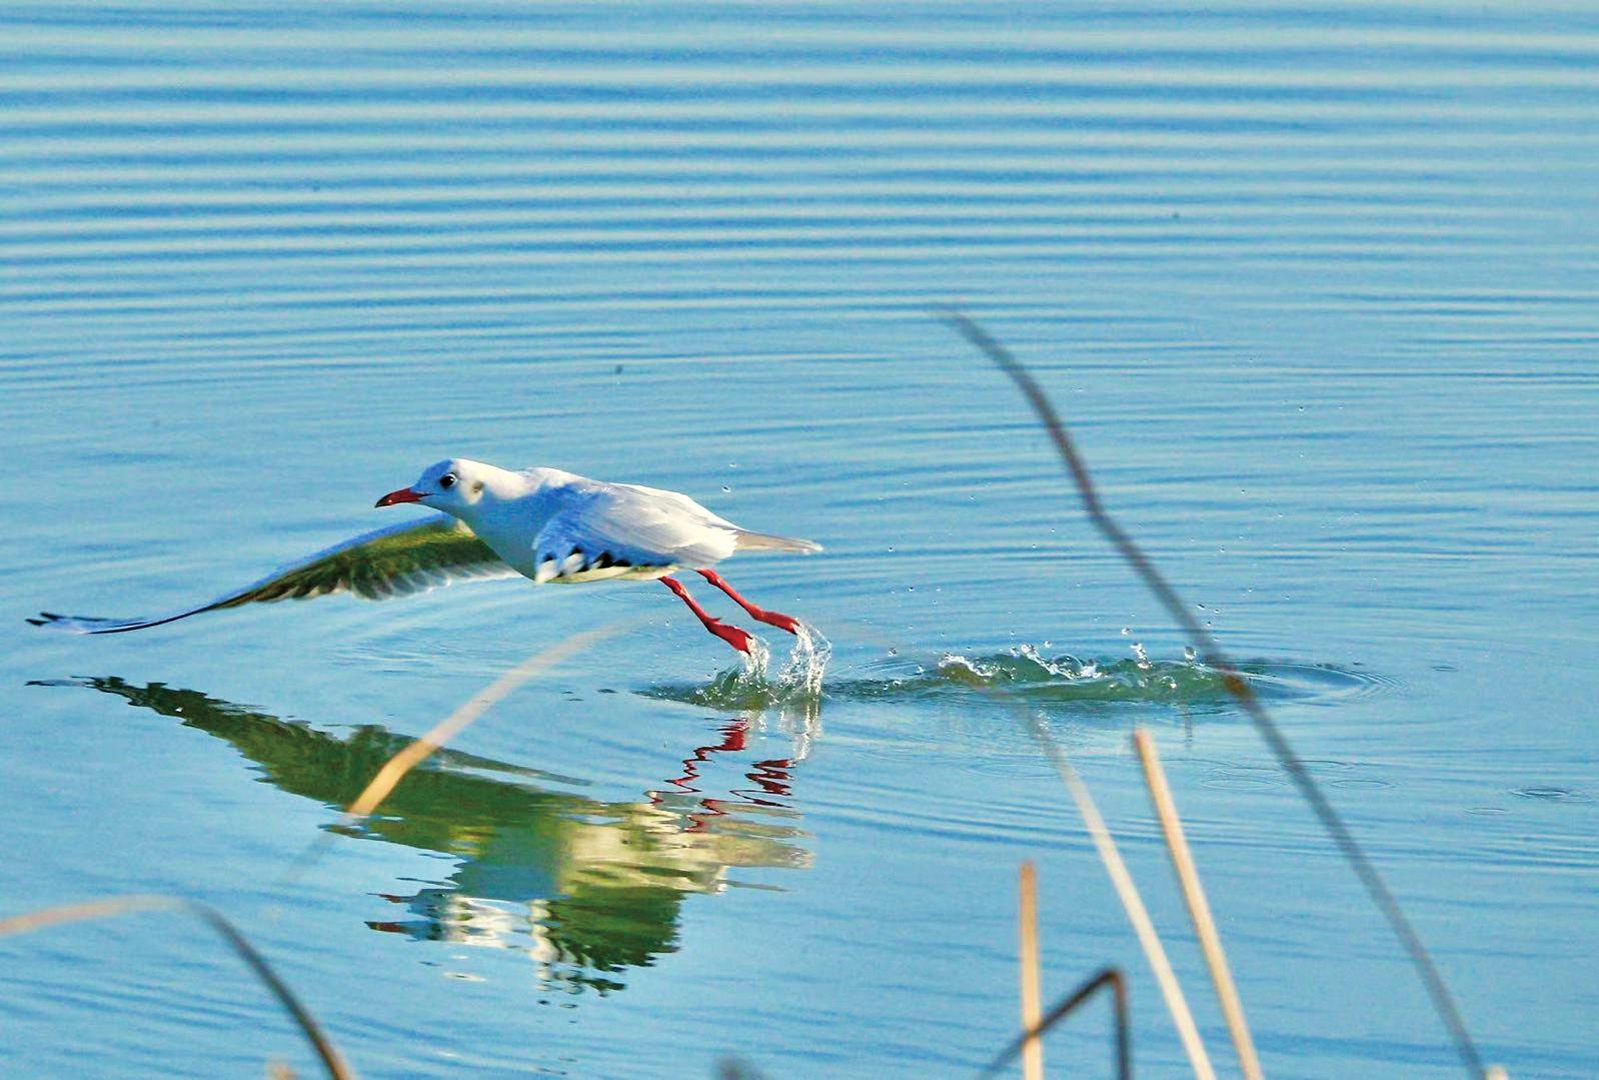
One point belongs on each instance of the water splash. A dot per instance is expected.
(801, 676)
(1021, 673)
(754, 662)
(1024, 673)
(797, 686)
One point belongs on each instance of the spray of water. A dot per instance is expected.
(750, 687)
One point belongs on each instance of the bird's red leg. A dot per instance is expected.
(735, 637)
(771, 618)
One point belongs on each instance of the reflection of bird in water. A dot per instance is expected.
(588, 887)
(545, 524)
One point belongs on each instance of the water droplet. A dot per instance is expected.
(1126, 630)
(1190, 653)
(726, 490)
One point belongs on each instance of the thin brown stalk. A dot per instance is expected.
(1032, 1006)
(418, 751)
(396, 767)
(1211, 653)
(1111, 977)
(117, 906)
(1198, 906)
(1122, 881)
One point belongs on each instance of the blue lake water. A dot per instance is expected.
(1315, 285)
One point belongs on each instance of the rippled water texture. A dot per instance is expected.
(1315, 287)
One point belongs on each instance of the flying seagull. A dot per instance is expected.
(551, 526)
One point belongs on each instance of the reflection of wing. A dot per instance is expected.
(619, 530)
(590, 888)
(396, 561)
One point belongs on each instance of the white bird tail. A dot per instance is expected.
(754, 541)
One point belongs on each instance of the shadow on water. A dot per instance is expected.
(1052, 683)
(588, 888)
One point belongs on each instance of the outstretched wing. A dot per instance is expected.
(396, 561)
(621, 530)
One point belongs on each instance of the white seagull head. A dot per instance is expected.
(454, 486)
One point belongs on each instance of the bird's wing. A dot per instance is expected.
(396, 561)
(619, 527)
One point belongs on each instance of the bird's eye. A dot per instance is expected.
(447, 481)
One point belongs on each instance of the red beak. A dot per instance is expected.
(404, 495)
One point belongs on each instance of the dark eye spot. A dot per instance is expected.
(447, 481)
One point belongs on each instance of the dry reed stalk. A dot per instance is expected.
(1032, 1006)
(396, 767)
(1111, 977)
(117, 906)
(1132, 903)
(418, 751)
(1198, 906)
(1211, 653)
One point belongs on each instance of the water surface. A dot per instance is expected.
(1315, 286)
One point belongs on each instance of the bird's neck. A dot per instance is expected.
(509, 494)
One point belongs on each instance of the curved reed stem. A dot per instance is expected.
(118, 906)
(1211, 653)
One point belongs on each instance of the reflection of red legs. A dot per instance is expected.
(735, 637)
(733, 738)
(773, 776)
(771, 618)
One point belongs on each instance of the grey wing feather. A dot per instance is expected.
(395, 561)
(625, 525)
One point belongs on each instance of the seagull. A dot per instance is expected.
(550, 526)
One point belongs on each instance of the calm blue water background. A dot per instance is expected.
(1315, 284)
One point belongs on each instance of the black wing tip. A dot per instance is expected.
(83, 624)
